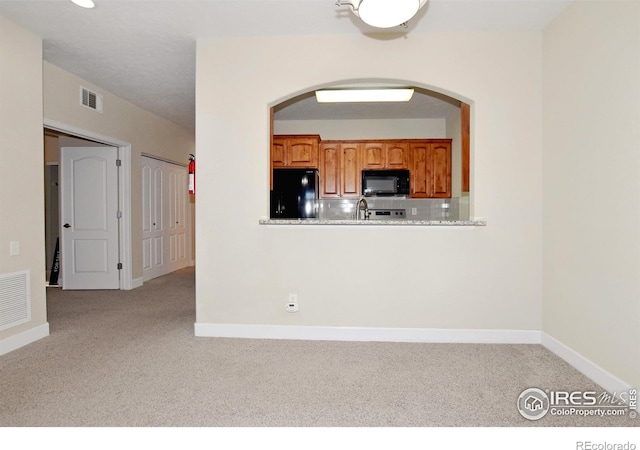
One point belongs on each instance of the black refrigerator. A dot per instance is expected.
(294, 194)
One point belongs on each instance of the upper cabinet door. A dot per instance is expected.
(373, 156)
(302, 152)
(278, 152)
(397, 155)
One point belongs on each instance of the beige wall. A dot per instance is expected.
(592, 184)
(246, 270)
(122, 121)
(22, 164)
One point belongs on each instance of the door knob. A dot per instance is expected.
(66, 225)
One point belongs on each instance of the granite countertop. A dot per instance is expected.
(455, 223)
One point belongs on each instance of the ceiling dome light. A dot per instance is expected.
(384, 13)
(84, 3)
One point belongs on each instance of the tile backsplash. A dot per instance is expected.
(416, 209)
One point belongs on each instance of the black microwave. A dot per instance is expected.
(385, 183)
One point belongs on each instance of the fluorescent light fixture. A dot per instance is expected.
(364, 95)
(84, 3)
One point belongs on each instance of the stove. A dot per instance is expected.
(387, 214)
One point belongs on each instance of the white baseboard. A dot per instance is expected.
(608, 381)
(137, 282)
(367, 334)
(21, 339)
(364, 334)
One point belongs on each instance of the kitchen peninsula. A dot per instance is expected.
(310, 222)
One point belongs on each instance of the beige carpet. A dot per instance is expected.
(129, 358)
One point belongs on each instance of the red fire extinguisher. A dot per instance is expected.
(192, 174)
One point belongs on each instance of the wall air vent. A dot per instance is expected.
(90, 99)
(15, 299)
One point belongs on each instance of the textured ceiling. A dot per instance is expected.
(144, 50)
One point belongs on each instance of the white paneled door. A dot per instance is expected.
(178, 192)
(89, 205)
(153, 260)
(164, 217)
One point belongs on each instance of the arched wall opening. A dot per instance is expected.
(432, 113)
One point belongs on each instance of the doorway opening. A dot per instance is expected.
(90, 253)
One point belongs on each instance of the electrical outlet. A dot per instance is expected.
(414, 211)
(14, 248)
(292, 304)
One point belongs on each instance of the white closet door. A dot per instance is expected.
(153, 255)
(177, 217)
(164, 222)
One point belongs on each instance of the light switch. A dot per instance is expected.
(14, 248)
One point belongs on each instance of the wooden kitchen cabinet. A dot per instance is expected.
(431, 169)
(339, 169)
(350, 168)
(340, 163)
(373, 156)
(329, 170)
(418, 171)
(385, 155)
(295, 151)
(397, 154)
(278, 158)
(439, 170)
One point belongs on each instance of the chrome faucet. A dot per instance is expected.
(363, 206)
